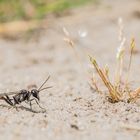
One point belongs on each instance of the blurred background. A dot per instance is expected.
(54, 37)
(23, 15)
(34, 9)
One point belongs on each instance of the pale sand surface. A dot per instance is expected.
(74, 111)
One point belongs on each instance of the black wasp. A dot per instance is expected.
(24, 96)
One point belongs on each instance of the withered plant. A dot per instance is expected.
(119, 89)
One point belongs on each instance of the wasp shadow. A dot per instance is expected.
(21, 107)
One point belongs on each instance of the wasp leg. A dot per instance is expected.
(38, 104)
(8, 100)
(14, 106)
(31, 105)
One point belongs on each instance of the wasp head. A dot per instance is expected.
(35, 93)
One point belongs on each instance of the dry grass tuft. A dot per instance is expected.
(115, 95)
(119, 90)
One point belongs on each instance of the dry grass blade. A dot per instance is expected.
(132, 46)
(120, 53)
(120, 57)
(134, 94)
(94, 83)
(70, 42)
(106, 71)
(115, 95)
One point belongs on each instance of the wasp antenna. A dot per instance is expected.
(44, 83)
(45, 88)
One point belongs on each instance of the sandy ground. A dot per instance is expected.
(74, 111)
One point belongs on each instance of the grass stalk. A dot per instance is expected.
(132, 46)
(115, 95)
